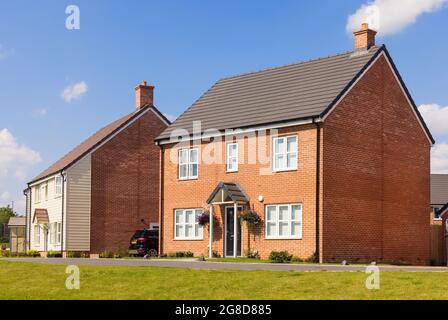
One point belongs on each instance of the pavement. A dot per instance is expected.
(195, 264)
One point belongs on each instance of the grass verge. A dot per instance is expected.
(20, 280)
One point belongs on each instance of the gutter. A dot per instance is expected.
(28, 213)
(64, 179)
(162, 174)
(317, 122)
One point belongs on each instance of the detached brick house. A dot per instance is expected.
(95, 197)
(346, 174)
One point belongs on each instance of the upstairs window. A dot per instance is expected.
(232, 157)
(285, 153)
(37, 194)
(188, 164)
(58, 186)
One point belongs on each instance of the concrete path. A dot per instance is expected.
(194, 264)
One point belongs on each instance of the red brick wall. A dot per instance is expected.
(285, 187)
(125, 184)
(376, 176)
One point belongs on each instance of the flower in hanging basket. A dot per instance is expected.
(203, 219)
(250, 216)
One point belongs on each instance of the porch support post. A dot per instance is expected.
(235, 229)
(210, 233)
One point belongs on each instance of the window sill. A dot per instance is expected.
(188, 179)
(188, 239)
(282, 238)
(284, 170)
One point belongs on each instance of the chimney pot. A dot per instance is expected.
(364, 38)
(144, 95)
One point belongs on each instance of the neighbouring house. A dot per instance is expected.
(95, 197)
(17, 227)
(331, 155)
(439, 197)
(443, 213)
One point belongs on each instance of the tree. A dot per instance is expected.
(5, 214)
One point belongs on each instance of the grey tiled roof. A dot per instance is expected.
(439, 189)
(290, 92)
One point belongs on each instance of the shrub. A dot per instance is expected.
(312, 258)
(296, 259)
(5, 253)
(77, 254)
(121, 253)
(280, 257)
(106, 254)
(54, 254)
(216, 254)
(180, 254)
(252, 254)
(33, 253)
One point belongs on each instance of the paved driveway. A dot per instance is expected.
(194, 264)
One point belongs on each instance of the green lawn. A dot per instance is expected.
(19, 280)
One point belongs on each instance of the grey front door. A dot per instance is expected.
(230, 211)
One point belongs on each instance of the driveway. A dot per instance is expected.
(194, 264)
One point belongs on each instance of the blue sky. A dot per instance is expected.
(181, 47)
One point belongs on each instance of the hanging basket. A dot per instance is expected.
(251, 217)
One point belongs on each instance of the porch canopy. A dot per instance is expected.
(41, 215)
(226, 193)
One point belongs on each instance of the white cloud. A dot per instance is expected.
(15, 159)
(391, 16)
(15, 162)
(5, 52)
(439, 158)
(74, 91)
(436, 117)
(170, 117)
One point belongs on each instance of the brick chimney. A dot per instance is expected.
(144, 95)
(364, 38)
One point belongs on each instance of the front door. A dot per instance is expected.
(230, 237)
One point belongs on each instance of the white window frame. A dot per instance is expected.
(285, 155)
(58, 232)
(52, 232)
(44, 188)
(37, 194)
(229, 157)
(188, 164)
(184, 224)
(58, 186)
(36, 235)
(276, 221)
